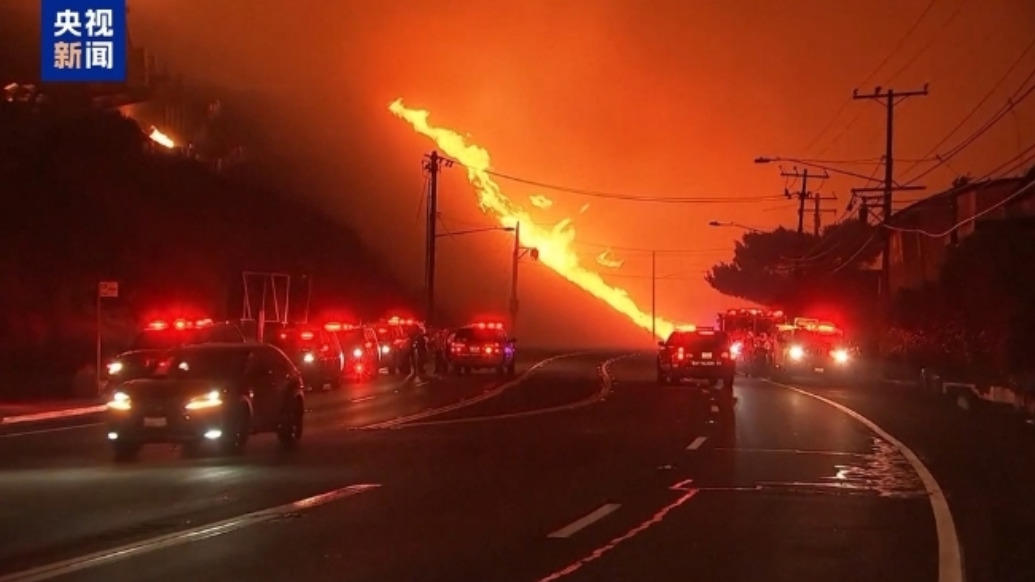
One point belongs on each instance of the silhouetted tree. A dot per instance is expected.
(792, 271)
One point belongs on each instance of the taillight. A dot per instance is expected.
(680, 354)
(488, 349)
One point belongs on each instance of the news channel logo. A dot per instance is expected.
(83, 41)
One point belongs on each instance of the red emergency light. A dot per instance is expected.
(158, 325)
(333, 326)
(488, 325)
(307, 335)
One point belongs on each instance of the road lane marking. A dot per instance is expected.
(585, 521)
(598, 553)
(950, 555)
(605, 388)
(697, 443)
(362, 399)
(187, 536)
(489, 394)
(53, 414)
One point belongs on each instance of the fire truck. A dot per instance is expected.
(811, 347)
(752, 332)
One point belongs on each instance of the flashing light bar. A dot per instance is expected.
(489, 325)
(687, 328)
(307, 335)
(179, 324)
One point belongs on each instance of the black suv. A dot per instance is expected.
(218, 393)
(701, 354)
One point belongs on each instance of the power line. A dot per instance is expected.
(887, 58)
(967, 221)
(1016, 99)
(621, 196)
(930, 42)
(617, 248)
(977, 107)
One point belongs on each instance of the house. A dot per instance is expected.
(916, 257)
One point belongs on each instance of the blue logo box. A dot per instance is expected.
(83, 41)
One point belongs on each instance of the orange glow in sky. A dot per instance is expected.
(554, 245)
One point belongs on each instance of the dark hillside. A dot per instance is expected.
(86, 198)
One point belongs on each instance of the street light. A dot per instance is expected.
(825, 168)
(475, 230)
(736, 225)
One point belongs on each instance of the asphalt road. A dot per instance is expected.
(579, 471)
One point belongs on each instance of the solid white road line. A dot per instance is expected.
(950, 556)
(182, 537)
(583, 522)
(605, 389)
(397, 422)
(53, 414)
(697, 443)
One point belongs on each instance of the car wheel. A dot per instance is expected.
(290, 431)
(239, 429)
(125, 451)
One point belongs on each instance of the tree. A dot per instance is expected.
(795, 272)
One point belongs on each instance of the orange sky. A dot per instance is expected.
(606, 95)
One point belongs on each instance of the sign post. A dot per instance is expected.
(105, 290)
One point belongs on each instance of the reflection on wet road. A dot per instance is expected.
(585, 470)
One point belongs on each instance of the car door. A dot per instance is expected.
(262, 385)
(371, 347)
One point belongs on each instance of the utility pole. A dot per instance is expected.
(433, 165)
(818, 210)
(518, 254)
(654, 295)
(889, 99)
(514, 260)
(803, 195)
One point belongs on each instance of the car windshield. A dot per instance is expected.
(202, 364)
(697, 341)
(165, 339)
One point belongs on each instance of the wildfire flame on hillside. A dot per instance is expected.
(554, 245)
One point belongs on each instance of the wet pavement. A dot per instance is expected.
(580, 471)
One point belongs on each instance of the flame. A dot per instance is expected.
(554, 245)
(161, 139)
(606, 260)
(540, 201)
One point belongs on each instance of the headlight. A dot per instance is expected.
(119, 401)
(309, 358)
(210, 400)
(796, 352)
(385, 349)
(357, 353)
(840, 356)
(735, 348)
(114, 368)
